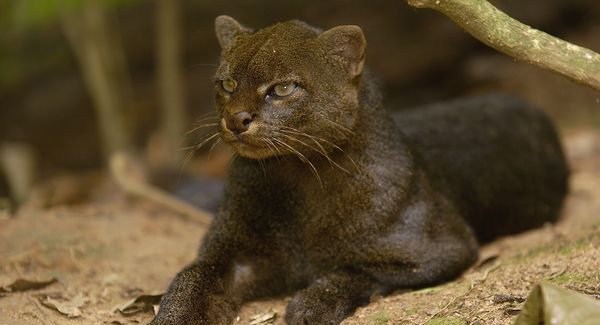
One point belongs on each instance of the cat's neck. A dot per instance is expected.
(373, 124)
(369, 95)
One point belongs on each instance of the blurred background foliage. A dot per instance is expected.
(64, 64)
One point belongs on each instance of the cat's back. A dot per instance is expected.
(497, 157)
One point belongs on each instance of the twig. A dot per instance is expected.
(471, 286)
(507, 35)
(445, 307)
(485, 275)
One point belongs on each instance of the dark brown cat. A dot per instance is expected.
(334, 201)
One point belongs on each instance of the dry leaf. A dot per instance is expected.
(24, 285)
(142, 303)
(266, 318)
(69, 308)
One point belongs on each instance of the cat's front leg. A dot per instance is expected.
(198, 295)
(330, 299)
(201, 293)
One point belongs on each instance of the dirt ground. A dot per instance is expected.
(113, 249)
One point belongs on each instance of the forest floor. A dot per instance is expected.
(112, 249)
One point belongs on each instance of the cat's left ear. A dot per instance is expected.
(347, 42)
(227, 28)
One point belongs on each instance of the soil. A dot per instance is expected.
(111, 249)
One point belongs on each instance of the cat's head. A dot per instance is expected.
(288, 88)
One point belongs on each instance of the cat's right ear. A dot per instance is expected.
(227, 28)
(347, 42)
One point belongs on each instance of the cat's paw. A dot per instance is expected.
(156, 321)
(317, 307)
(208, 310)
(182, 320)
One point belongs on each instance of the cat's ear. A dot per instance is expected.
(347, 42)
(227, 28)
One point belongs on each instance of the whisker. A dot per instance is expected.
(199, 127)
(187, 159)
(190, 154)
(198, 146)
(269, 145)
(199, 124)
(274, 149)
(341, 134)
(274, 146)
(297, 140)
(303, 158)
(340, 126)
(205, 120)
(298, 132)
(232, 158)
(207, 115)
(323, 152)
(213, 146)
(315, 138)
(262, 165)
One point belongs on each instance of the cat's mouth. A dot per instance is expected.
(244, 144)
(248, 146)
(253, 143)
(251, 150)
(245, 140)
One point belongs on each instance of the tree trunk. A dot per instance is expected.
(102, 62)
(170, 79)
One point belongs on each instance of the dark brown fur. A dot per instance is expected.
(345, 204)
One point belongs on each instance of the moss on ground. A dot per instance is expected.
(382, 317)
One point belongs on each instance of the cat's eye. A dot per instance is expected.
(284, 89)
(228, 85)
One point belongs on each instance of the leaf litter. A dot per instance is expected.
(21, 285)
(142, 303)
(264, 318)
(67, 307)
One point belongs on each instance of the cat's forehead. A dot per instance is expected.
(270, 52)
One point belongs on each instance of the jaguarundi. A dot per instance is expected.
(333, 200)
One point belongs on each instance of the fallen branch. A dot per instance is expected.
(507, 35)
(122, 171)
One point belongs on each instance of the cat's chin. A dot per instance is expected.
(253, 152)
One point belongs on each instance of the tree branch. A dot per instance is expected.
(123, 168)
(507, 35)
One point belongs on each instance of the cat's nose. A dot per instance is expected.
(239, 122)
